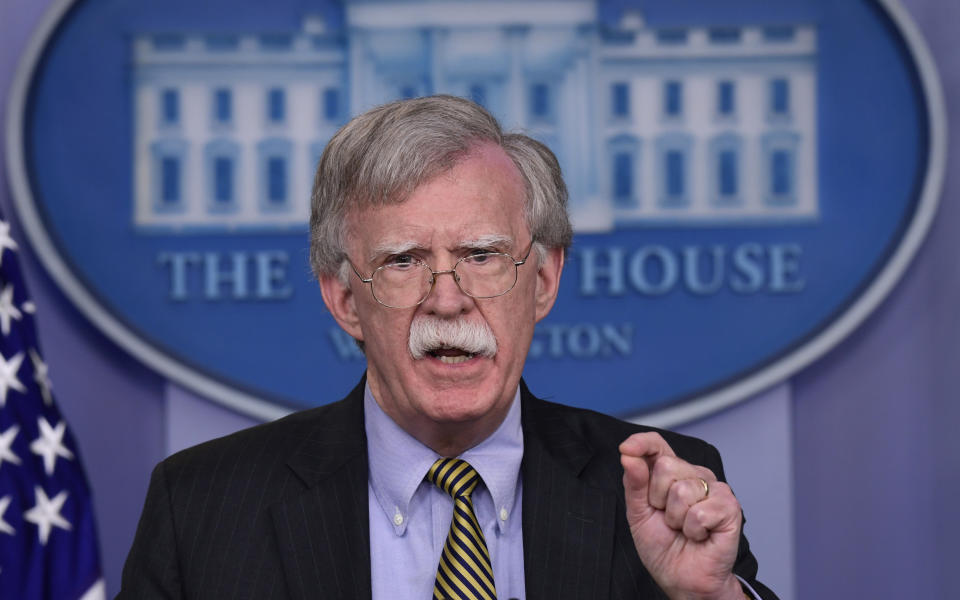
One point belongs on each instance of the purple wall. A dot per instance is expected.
(875, 457)
(877, 451)
(112, 402)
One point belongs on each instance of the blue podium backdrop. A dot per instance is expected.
(747, 178)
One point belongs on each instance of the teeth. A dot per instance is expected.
(455, 360)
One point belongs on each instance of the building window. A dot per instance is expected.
(331, 104)
(779, 97)
(623, 178)
(726, 99)
(724, 35)
(276, 180)
(170, 180)
(325, 42)
(675, 175)
(780, 168)
(674, 151)
(276, 41)
(168, 42)
(222, 160)
(779, 34)
(673, 99)
(276, 105)
(222, 105)
(781, 174)
(728, 184)
(168, 168)
(170, 106)
(478, 94)
(725, 174)
(617, 37)
(620, 100)
(671, 37)
(223, 180)
(222, 43)
(623, 153)
(275, 160)
(540, 108)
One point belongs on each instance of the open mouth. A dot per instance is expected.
(451, 356)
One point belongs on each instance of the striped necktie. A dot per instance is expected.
(465, 572)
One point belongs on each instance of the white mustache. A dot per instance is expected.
(429, 333)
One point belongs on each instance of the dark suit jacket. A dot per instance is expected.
(280, 511)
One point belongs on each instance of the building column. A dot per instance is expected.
(516, 83)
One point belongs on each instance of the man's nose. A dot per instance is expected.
(446, 298)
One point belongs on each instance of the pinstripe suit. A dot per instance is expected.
(280, 511)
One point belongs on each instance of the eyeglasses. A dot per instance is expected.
(407, 283)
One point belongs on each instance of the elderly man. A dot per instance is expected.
(438, 241)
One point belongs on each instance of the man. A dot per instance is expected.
(439, 242)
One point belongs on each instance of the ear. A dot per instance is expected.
(341, 303)
(548, 281)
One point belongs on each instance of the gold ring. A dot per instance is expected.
(706, 487)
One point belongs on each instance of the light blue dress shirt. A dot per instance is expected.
(410, 517)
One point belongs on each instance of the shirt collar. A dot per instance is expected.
(399, 462)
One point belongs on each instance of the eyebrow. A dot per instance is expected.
(403, 246)
(393, 247)
(486, 241)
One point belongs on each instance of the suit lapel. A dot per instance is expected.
(323, 530)
(568, 525)
(323, 527)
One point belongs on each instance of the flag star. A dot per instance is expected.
(28, 307)
(4, 526)
(8, 376)
(42, 377)
(50, 444)
(5, 240)
(8, 311)
(6, 441)
(46, 514)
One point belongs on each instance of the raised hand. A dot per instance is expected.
(685, 524)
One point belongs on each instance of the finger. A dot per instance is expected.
(648, 444)
(682, 495)
(668, 470)
(636, 480)
(637, 455)
(720, 512)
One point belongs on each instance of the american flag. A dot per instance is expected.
(48, 547)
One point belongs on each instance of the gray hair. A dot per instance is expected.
(381, 156)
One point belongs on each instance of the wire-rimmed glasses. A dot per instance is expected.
(407, 283)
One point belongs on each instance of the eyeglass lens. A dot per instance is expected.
(401, 285)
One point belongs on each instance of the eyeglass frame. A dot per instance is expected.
(433, 275)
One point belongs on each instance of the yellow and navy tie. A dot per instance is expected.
(465, 571)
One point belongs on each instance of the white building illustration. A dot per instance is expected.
(698, 125)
